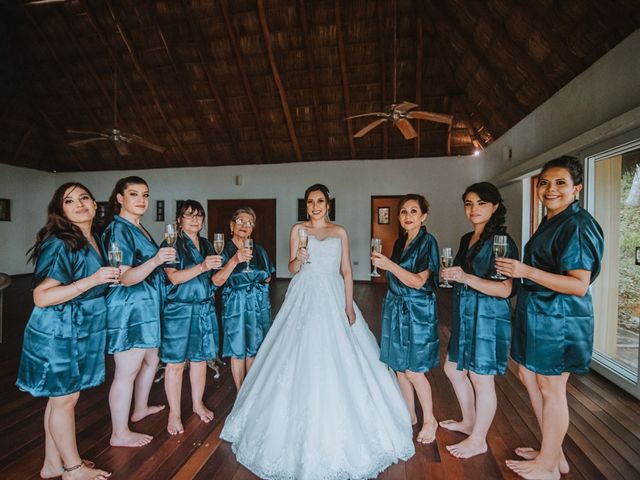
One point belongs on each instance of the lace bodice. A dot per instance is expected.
(324, 256)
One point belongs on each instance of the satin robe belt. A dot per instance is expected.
(400, 315)
(206, 319)
(70, 329)
(535, 288)
(253, 289)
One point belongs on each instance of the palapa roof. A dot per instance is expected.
(236, 82)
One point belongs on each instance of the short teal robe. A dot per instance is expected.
(189, 323)
(409, 337)
(64, 345)
(553, 332)
(133, 319)
(246, 307)
(480, 324)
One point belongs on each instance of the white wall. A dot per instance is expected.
(352, 183)
(29, 192)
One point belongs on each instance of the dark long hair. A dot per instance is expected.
(488, 192)
(59, 225)
(113, 208)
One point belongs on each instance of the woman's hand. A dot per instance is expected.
(351, 314)
(243, 255)
(512, 268)
(455, 274)
(105, 275)
(302, 255)
(165, 255)
(212, 261)
(380, 261)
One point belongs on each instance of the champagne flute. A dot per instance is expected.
(248, 243)
(446, 259)
(303, 240)
(499, 251)
(218, 244)
(170, 236)
(376, 246)
(115, 260)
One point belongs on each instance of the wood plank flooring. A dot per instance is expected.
(603, 440)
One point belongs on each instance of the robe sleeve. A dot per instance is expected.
(54, 261)
(583, 246)
(429, 256)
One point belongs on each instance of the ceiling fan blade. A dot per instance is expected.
(434, 117)
(122, 147)
(405, 106)
(77, 143)
(369, 127)
(144, 143)
(43, 2)
(406, 129)
(84, 132)
(371, 114)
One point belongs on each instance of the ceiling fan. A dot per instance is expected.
(400, 113)
(120, 139)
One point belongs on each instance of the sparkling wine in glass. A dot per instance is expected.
(218, 244)
(499, 251)
(248, 243)
(446, 259)
(303, 240)
(376, 246)
(170, 236)
(115, 259)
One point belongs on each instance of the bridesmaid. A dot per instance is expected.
(246, 307)
(133, 327)
(409, 343)
(64, 341)
(553, 332)
(481, 321)
(189, 325)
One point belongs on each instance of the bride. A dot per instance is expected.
(317, 403)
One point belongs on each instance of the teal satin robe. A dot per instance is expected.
(480, 324)
(409, 339)
(64, 345)
(189, 323)
(553, 332)
(133, 319)
(246, 307)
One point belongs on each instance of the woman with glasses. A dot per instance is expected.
(189, 324)
(246, 308)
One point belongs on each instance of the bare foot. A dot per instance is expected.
(86, 473)
(49, 470)
(428, 432)
(467, 448)
(204, 413)
(130, 439)
(532, 470)
(174, 425)
(150, 410)
(529, 453)
(456, 426)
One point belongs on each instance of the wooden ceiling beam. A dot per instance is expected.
(383, 77)
(198, 42)
(419, 60)
(278, 81)
(233, 39)
(311, 68)
(447, 109)
(134, 59)
(345, 79)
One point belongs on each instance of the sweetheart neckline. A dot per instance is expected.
(325, 238)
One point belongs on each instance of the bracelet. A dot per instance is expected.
(71, 469)
(77, 287)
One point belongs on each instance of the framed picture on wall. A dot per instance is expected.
(5, 210)
(101, 212)
(383, 215)
(159, 210)
(302, 210)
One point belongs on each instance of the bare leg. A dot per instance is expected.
(198, 377)
(555, 422)
(238, 370)
(419, 381)
(407, 392)
(466, 398)
(485, 410)
(144, 381)
(62, 427)
(249, 362)
(528, 379)
(127, 366)
(52, 461)
(173, 389)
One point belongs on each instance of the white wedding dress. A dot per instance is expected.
(317, 403)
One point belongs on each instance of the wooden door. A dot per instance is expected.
(220, 211)
(385, 225)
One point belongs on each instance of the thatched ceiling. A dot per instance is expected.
(268, 81)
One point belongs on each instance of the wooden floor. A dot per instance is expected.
(603, 440)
